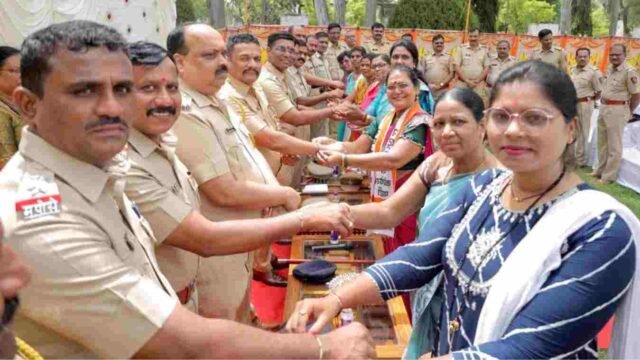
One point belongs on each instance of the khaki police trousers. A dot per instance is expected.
(585, 111)
(611, 123)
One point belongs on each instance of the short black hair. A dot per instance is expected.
(437, 37)
(300, 42)
(146, 53)
(407, 35)
(7, 52)
(280, 35)
(468, 98)
(544, 32)
(310, 36)
(583, 49)
(370, 56)
(359, 49)
(623, 46)
(75, 36)
(243, 38)
(377, 25)
(321, 34)
(504, 41)
(343, 55)
(176, 41)
(333, 26)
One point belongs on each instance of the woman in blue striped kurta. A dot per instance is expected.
(486, 222)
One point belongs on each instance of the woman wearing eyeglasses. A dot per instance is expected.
(11, 123)
(391, 149)
(534, 261)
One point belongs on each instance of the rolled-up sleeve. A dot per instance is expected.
(83, 290)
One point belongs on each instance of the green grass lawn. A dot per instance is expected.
(625, 195)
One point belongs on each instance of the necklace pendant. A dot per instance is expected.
(454, 326)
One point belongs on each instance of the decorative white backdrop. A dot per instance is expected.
(136, 19)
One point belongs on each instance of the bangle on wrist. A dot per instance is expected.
(343, 160)
(320, 347)
(332, 292)
(364, 118)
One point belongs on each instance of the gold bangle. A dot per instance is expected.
(332, 292)
(344, 157)
(320, 347)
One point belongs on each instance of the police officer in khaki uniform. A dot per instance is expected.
(280, 48)
(167, 196)
(588, 83)
(334, 49)
(499, 64)
(379, 45)
(620, 95)
(97, 290)
(548, 53)
(11, 122)
(438, 67)
(471, 65)
(248, 105)
(321, 66)
(233, 183)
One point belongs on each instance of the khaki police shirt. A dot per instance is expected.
(472, 62)
(299, 87)
(320, 66)
(274, 85)
(210, 147)
(296, 82)
(249, 106)
(11, 125)
(96, 288)
(437, 67)
(332, 58)
(382, 47)
(586, 80)
(497, 66)
(621, 82)
(159, 184)
(555, 56)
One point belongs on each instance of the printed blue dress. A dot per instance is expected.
(563, 318)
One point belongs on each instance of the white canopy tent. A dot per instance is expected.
(149, 20)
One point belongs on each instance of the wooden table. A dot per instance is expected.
(389, 324)
(358, 197)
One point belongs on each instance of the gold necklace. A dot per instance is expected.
(521, 199)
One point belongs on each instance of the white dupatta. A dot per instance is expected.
(539, 253)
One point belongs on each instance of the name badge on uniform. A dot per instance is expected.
(38, 196)
(39, 207)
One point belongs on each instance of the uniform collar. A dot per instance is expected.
(7, 102)
(546, 51)
(508, 58)
(88, 179)
(273, 70)
(200, 99)
(242, 88)
(141, 143)
(619, 67)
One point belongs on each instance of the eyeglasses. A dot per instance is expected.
(532, 120)
(283, 50)
(400, 86)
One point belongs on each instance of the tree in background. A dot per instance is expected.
(516, 15)
(581, 22)
(433, 14)
(185, 11)
(487, 12)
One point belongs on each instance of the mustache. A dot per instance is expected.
(221, 69)
(251, 70)
(105, 120)
(170, 109)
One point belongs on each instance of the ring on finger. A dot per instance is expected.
(302, 312)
